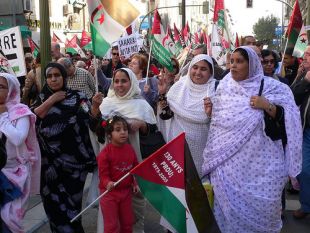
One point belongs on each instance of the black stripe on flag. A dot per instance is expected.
(196, 197)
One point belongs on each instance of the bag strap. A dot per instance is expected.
(217, 82)
(3, 138)
(261, 88)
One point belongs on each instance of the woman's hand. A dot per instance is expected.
(259, 102)
(295, 183)
(135, 189)
(207, 106)
(162, 86)
(97, 100)
(146, 88)
(110, 185)
(57, 97)
(136, 125)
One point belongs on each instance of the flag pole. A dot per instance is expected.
(280, 70)
(103, 194)
(148, 63)
(96, 73)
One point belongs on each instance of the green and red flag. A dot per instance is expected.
(161, 54)
(177, 38)
(85, 39)
(169, 181)
(73, 47)
(169, 43)
(301, 43)
(186, 34)
(294, 26)
(217, 47)
(33, 47)
(56, 39)
(108, 21)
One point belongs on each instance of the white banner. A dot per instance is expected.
(128, 45)
(12, 46)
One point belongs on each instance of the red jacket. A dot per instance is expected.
(113, 163)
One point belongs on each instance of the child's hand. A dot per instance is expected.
(135, 189)
(110, 185)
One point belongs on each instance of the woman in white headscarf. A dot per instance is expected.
(254, 144)
(185, 103)
(124, 99)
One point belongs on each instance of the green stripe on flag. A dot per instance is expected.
(71, 50)
(165, 203)
(100, 45)
(292, 38)
(161, 54)
(89, 46)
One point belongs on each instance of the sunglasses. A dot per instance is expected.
(115, 54)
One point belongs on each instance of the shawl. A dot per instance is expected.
(234, 121)
(185, 99)
(17, 110)
(130, 106)
(63, 132)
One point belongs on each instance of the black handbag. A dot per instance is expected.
(151, 143)
(3, 154)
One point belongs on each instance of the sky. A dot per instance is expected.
(244, 18)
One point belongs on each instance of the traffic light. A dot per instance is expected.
(205, 7)
(249, 3)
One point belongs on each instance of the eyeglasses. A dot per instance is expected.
(266, 62)
(115, 54)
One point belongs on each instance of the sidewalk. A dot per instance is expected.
(35, 216)
(36, 220)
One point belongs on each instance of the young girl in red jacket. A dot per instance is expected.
(114, 161)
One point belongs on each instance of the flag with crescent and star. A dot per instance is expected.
(301, 43)
(109, 19)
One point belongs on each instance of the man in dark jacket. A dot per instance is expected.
(301, 91)
(114, 64)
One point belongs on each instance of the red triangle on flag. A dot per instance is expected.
(165, 166)
(156, 24)
(71, 43)
(85, 39)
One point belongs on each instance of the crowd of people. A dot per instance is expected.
(247, 127)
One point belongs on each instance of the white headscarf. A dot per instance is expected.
(185, 98)
(131, 105)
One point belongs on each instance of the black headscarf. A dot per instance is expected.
(46, 90)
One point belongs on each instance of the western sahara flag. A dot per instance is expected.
(169, 181)
(294, 26)
(161, 54)
(301, 43)
(108, 20)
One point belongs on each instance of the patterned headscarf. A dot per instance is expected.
(17, 110)
(234, 121)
